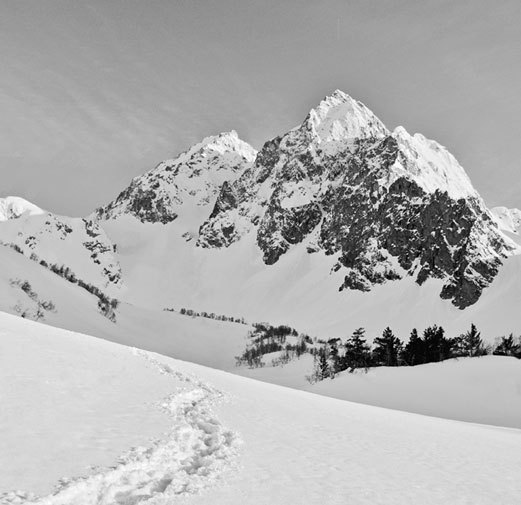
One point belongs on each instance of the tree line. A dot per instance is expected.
(106, 305)
(336, 355)
(209, 315)
(388, 350)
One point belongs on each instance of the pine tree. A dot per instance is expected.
(387, 349)
(508, 347)
(357, 352)
(437, 347)
(414, 351)
(470, 343)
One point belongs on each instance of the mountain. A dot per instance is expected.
(194, 177)
(384, 205)
(336, 224)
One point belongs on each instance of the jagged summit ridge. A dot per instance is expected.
(194, 177)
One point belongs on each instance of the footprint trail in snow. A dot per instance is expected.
(191, 456)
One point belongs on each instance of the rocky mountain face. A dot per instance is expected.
(383, 205)
(194, 177)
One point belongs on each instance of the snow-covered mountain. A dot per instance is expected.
(383, 205)
(195, 176)
(336, 224)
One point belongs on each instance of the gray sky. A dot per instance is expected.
(93, 93)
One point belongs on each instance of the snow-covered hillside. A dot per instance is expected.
(478, 390)
(508, 219)
(30, 290)
(12, 207)
(217, 437)
(78, 244)
(300, 289)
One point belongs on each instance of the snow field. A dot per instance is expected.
(190, 455)
(485, 390)
(297, 447)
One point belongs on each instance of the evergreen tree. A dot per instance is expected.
(437, 347)
(508, 347)
(357, 352)
(414, 351)
(387, 349)
(470, 343)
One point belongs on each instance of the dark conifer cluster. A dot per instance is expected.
(388, 350)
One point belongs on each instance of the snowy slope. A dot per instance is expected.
(81, 407)
(79, 244)
(206, 341)
(474, 390)
(230, 440)
(300, 289)
(29, 289)
(509, 220)
(12, 207)
(484, 390)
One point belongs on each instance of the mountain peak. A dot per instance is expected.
(221, 143)
(194, 177)
(340, 117)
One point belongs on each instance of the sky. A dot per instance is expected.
(93, 93)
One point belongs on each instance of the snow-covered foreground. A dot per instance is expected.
(101, 422)
(220, 438)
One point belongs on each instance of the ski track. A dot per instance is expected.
(195, 454)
